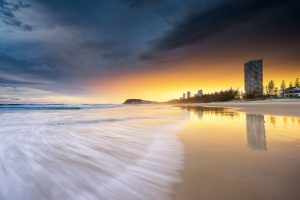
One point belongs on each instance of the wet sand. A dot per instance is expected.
(219, 165)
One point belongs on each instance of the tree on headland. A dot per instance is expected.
(276, 91)
(218, 96)
(271, 87)
(239, 94)
(282, 87)
(266, 90)
(297, 84)
(291, 84)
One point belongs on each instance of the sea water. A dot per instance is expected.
(89, 152)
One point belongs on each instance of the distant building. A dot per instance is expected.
(183, 96)
(188, 95)
(253, 75)
(292, 92)
(199, 93)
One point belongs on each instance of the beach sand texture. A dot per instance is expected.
(241, 155)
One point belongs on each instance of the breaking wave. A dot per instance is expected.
(117, 153)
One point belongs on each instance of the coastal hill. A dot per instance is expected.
(138, 101)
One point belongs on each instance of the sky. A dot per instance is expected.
(105, 51)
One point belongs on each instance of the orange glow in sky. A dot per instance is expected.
(170, 83)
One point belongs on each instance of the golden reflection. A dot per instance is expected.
(254, 126)
(293, 120)
(233, 148)
(285, 121)
(273, 120)
(217, 125)
(211, 111)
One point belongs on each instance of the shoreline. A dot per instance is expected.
(283, 107)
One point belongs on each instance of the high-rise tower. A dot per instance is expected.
(253, 74)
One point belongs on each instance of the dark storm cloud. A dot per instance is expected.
(199, 26)
(8, 17)
(30, 68)
(140, 3)
(83, 39)
(63, 45)
(7, 82)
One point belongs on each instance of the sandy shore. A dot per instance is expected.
(285, 107)
(220, 166)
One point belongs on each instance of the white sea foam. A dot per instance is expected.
(126, 152)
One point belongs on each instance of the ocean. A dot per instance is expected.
(90, 152)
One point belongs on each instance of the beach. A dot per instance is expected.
(90, 152)
(241, 150)
(148, 152)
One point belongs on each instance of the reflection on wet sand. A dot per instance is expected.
(229, 158)
(215, 111)
(273, 120)
(256, 132)
(255, 124)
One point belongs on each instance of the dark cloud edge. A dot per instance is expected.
(199, 26)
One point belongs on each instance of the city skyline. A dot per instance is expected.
(108, 51)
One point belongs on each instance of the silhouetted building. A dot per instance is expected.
(183, 96)
(256, 137)
(292, 92)
(199, 93)
(188, 94)
(253, 74)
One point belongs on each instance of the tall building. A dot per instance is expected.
(200, 93)
(183, 96)
(188, 95)
(253, 74)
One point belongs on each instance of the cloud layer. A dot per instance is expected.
(61, 46)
